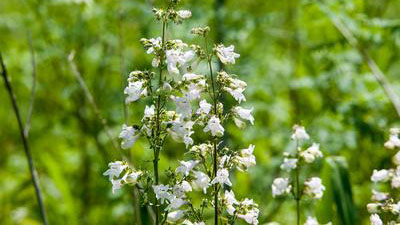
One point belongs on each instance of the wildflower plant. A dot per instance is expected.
(292, 164)
(183, 99)
(385, 207)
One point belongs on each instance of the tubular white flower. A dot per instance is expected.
(205, 107)
(280, 186)
(177, 58)
(162, 193)
(186, 167)
(237, 93)
(246, 158)
(183, 106)
(250, 215)
(222, 177)
(128, 136)
(149, 112)
(289, 164)
(184, 14)
(187, 222)
(214, 126)
(311, 221)
(202, 181)
(311, 153)
(373, 207)
(244, 113)
(226, 54)
(375, 219)
(115, 169)
(314, 187)
(229, 200)
(379, 196)
(394, 140)
(132, 177)
(134, 90)
(175, 216)
(380, 176)
(299, 133)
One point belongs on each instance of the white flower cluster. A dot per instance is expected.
(383, 203)
(313, 186)
(292, 163)
(195, 107)
(118, 168)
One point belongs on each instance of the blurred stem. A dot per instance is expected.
(33, 88)
(34, 175)
(215, 153)
(376, 71)
(158, 140)
(298, 194)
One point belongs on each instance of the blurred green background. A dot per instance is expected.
(299, 69)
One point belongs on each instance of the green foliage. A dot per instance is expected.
(299, 68)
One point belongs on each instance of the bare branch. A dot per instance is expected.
(33, 88)
(32, 169)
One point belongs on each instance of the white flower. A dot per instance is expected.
(205, 107)
(244, 113)
(154, 43)
(314, 187)
(162, 193)
(177, 58)
(149, 111)
(379, 196)
(175, 203)
(214, 126)
(236, 93)
(226, 54)
(311, 153)
(246, 158)
(229, 199)
(373, 207)
(222, 177)
(395, 181)
(311, 221)
(129, 136)
(116, 185)
(184, 14)
(191, 77)
(186, 167)
(134, 90)
(175, 215)
(299, 133)
(183, 106)
(187, 222)
(394, 140)
(185, 186)
(380, 176)
(251, 215)
(280, 186)
(396, 158)
(182, 130)
(289, 164)
(375, 219)
(132, 177)
(115, 169)
(202, 181)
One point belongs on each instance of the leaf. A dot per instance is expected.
(337, 204)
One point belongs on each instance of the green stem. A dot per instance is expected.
(157, 145)
(215, 153)
(298, 194)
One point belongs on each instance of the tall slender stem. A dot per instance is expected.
(157, 146)
(298, 193)
(32, 169)
(215, 152)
